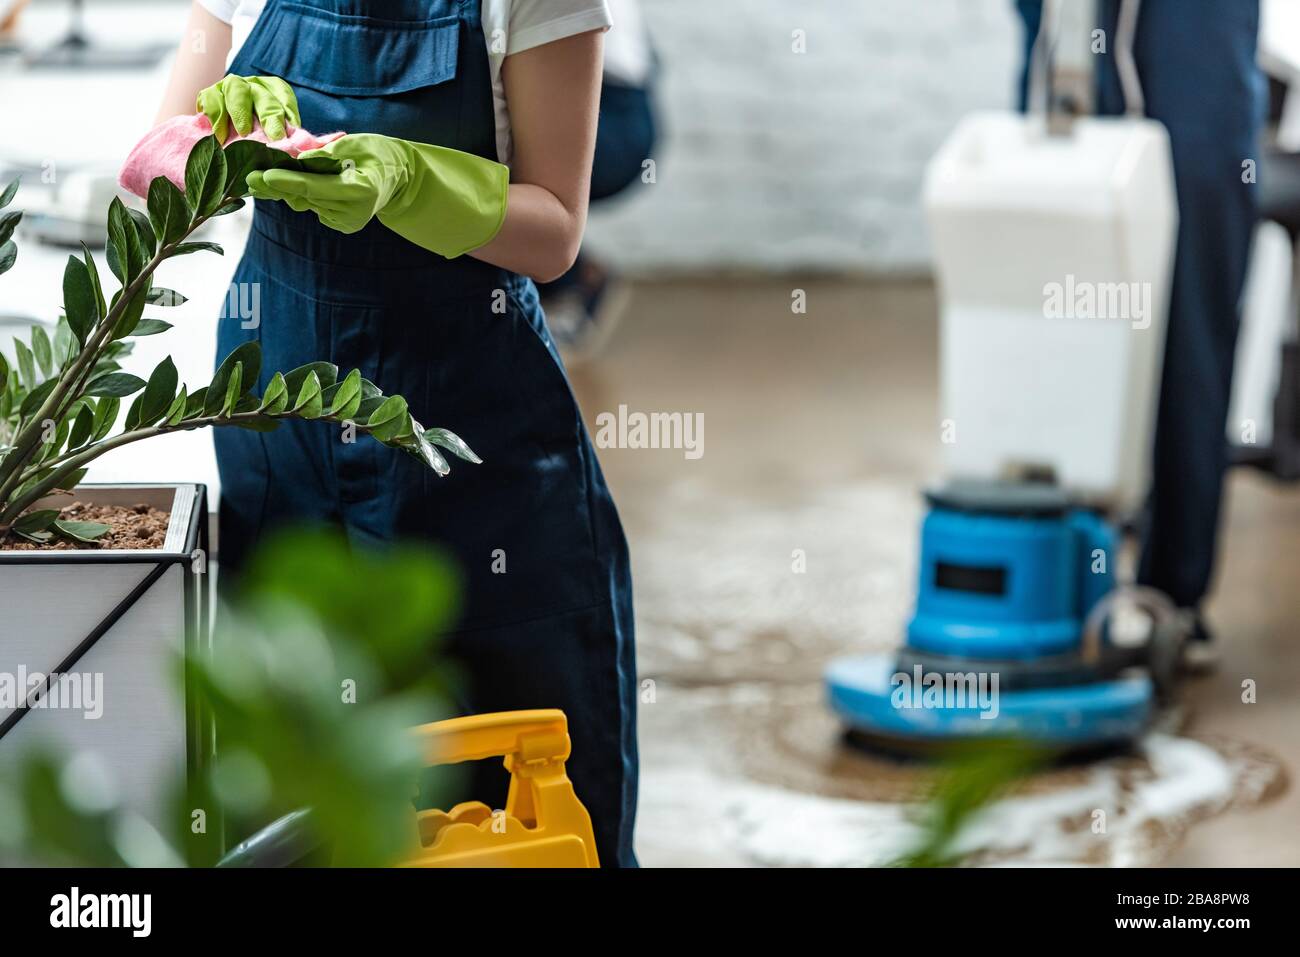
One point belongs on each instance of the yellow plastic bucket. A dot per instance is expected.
(543, 823)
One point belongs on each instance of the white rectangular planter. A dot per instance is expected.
(118, 620)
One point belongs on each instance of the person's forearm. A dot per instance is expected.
(553, 91)
(200, 62)
(539, 237)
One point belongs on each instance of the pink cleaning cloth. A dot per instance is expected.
(165, 148)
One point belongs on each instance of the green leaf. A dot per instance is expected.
(430, 455)
(79, 302)
(42, 351)
(347, 412)
(36, 521)
(234, 386)
(205, 177)
(234, 206)
(347, 398)
(158, 296)
(395, 431)
(367, 408)
(101, 307)
(84, 532)
(159, 392)
(83, 427)
(259, 425)
(150, 327)
(8, 223)
(26, 363)
(308, 405)
(114, 265)
(390, 408)
(8, 255)
(167, 210)
(65, 344)
(184, 249)
(144, 231)
(387, 421)
(194, 404)
(39, 538)
(124, 243)
(7, 196)
(132, 420)
(4, 371)
(117, 384)
(52, 449)
(73, 479)
(453, 443)
(105, 364)
(105, 416)
(36, 398)
(245, 156)
(248, 356)
(276, 397)
(103, 367)
(176, 411)
(131, 316)
(326, 372)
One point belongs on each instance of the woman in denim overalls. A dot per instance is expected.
(548, 607)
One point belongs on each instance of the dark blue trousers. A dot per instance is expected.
(1196, 60)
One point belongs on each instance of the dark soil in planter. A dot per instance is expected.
(130, 527)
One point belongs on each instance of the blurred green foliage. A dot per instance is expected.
(970, 777)
(319, 669)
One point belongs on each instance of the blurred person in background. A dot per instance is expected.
(9, 13)
(416, 265)
(1196, 62)
(584, 305)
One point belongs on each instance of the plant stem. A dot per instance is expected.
(25, 443)
(73, 380)
(71, 462)
(16, 507)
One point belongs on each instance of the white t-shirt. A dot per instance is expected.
(509, 27)
(627, 46)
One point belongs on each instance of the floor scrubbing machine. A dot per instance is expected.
(1053, 240)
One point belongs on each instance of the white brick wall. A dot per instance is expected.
(775, 160)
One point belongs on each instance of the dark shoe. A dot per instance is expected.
(1201, 651)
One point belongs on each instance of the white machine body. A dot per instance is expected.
(1054, 256)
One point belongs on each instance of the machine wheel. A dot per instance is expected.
(1165, 657)
(1162, 654)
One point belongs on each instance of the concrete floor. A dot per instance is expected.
(819, 429)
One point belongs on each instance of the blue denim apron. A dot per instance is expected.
(547, 617)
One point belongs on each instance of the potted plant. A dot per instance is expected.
(90, 603)
(315, 695)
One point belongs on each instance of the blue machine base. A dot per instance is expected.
(1078, 716)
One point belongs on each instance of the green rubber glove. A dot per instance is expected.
(444, 200)
(237, 100)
